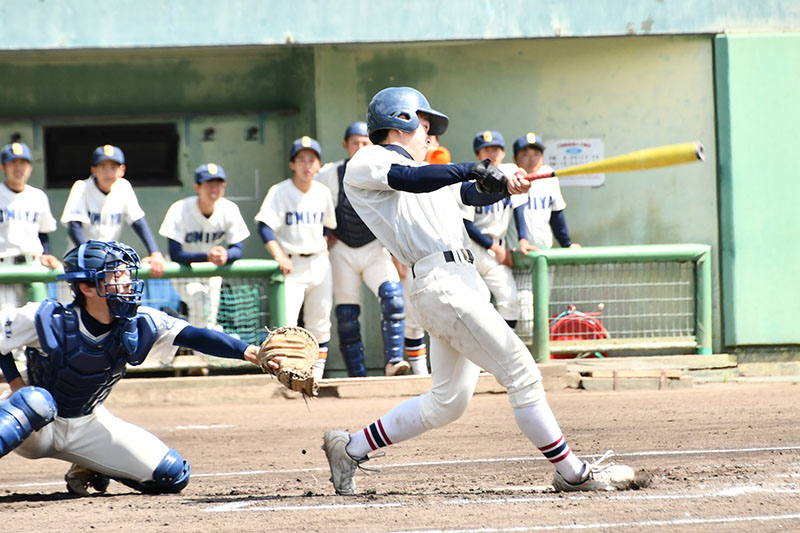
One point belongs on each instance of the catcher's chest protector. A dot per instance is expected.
(78, 371)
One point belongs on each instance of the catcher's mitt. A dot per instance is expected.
(297, 351)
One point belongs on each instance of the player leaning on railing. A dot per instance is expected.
(75, 354)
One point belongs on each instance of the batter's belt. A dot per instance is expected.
(426, 264)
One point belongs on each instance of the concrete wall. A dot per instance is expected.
(758, 80)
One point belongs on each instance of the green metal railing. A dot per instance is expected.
(540, 263)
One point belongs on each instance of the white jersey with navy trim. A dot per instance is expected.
(410, 225)
(101, 214)
(187, 225)
(23, 216)
(298, 218)
(19, 329)
(328, 175)
(543, 198)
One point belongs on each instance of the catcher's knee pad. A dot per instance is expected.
(437, 412)
(350, 339)
(27, 410)
(392, 325)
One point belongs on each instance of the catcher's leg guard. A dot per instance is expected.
(392, 325)
(170, 476)
(350, 339)
(27, 410)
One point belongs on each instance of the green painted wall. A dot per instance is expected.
(77, 24)
(758, 81)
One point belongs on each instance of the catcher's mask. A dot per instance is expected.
(113, 267)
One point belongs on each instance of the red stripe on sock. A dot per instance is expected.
(562, 456)
(557, 443)
(369, 440)
(383, 433)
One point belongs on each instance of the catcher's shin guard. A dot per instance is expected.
(392, 325)
(350, 339)
(27, 410)
(170, 476)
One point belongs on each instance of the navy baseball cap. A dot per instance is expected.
(107, 153)
(487, 138)
(305, 143)
(16, 151)
(208, 172)
(356, 128)
(529, 139)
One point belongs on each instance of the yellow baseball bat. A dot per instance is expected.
(659, 156)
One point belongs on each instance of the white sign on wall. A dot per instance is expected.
(562, 153)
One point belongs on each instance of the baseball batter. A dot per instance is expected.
(206, 227)
(293, 221)
(76, 353)
(355, 256)
(487, 224)
(25, 220)
(99, 205)
(413, 210)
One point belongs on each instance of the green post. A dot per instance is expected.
(703, 334)
(277, 299)
(36, 292)
(541, 305)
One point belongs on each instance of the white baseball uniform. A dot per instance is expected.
(544, 197)
(452, 301)
(100, 441)
(298, 219)
(23, 216)
(186, 224)
(101, 214)
(370, 262)
(492, 220)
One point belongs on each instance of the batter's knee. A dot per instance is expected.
(27, 410)
(437, 412)
(391, 297)
(527, 395)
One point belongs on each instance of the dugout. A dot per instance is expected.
(237, 81)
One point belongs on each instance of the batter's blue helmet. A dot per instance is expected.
(96, 261)
(396, 108)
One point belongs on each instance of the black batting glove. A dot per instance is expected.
(489, 179)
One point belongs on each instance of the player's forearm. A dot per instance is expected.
(45, 240)
(211, 342)
(235, 251)
(142, 229)
(558, 223)
(519, 222)
(470, 195)
(75, 232)
(476, 235)
(179, 255)
(427, 178)
(9, 367)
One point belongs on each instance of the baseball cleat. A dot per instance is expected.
(343, 467)
(79, 479)
(598, 476)
(399, 368)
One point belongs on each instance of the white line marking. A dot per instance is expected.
(250, 506)
(610, 525)
(466, 461)
(214, 426)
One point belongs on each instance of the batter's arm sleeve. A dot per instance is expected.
(75, 232)
(470, 195)
(45, 240)
(235, 251)
(9, 367)
(427, 178)
(519, 221)
(558, 223)
(142, 229)
(476, 235)
(211, 342)
(266, 232)
(179, 255)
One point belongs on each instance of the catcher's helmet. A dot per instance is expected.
(96, 261)
(396, 108)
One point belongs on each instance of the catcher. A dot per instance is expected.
(76, 353)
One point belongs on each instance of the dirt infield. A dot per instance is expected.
(721, 457)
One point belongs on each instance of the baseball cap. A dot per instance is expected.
(529, 139)
(356, 128)
(16, 151)
(208, 172)
(487, 138)
(305, 143)
(107, 153)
